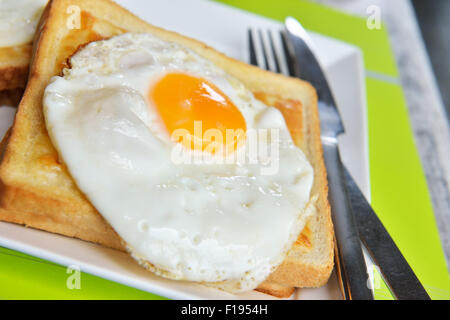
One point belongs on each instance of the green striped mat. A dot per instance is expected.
(398, 186)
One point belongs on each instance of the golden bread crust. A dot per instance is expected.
(14, 63)
(11, 97)
(275, 289)
(37, 190)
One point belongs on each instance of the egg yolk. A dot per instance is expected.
(197, 113)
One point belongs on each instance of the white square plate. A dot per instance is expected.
(225, 29)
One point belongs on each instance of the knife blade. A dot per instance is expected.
(400, 278)
(351, 263)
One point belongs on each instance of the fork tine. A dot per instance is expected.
(274, 52)
(264, 52)
(251, 46)
(287, 55)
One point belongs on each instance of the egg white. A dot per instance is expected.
(18, 21)
(226, 224)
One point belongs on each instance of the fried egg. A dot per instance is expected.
(18, 20)
(113, 116)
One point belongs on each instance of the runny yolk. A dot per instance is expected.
(197, 113)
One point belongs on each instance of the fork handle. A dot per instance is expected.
(351, 263)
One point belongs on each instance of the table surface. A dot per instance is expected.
(434, 22)
(426, 109)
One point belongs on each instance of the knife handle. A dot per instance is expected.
(351, 259)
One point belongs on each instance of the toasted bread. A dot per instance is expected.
(14, 63)
(11, 97)
(275, 289)
(36, 189)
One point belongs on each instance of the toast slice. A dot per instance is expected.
(275, 289)
(14, 63)
(11, 97)
(36, 189)
(15, 58)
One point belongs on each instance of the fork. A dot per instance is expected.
(265, 53)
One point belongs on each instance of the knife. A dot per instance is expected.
(351, 263)
(361, 222)
(398, 275)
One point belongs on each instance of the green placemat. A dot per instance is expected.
(26, 277)
(399, 191)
